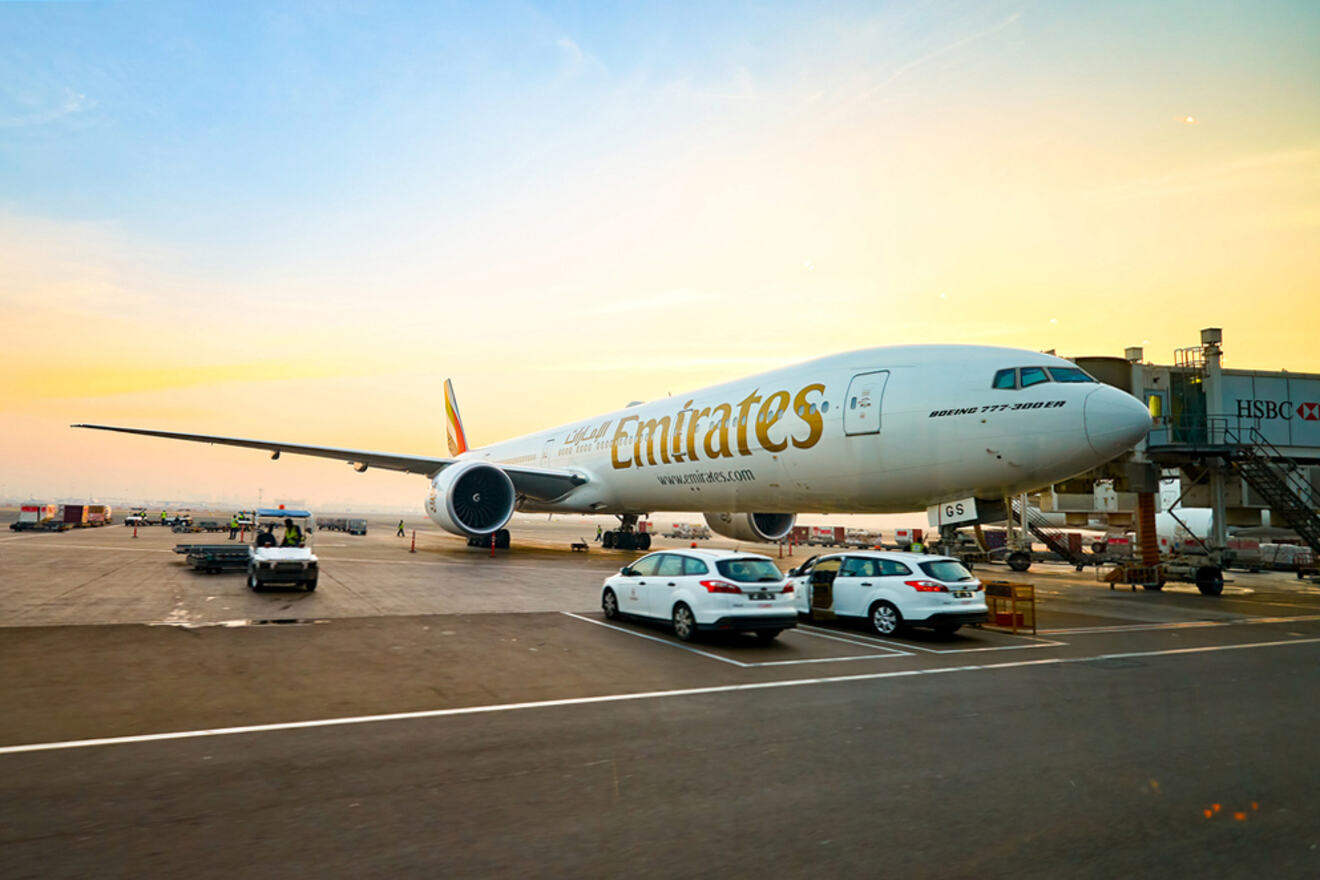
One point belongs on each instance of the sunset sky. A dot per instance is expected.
(294, 221)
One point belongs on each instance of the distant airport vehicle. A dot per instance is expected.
(357, 527)
(880, 430)
(688, 532)
(34, 515)
(703, 591)
(277, 557)
(890, 590)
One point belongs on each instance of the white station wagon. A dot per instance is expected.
(703, 591)
(890, 590)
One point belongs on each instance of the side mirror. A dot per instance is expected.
(792, 573)
(625, 571)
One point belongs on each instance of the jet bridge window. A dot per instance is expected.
(1033, 376)
(1005, 379)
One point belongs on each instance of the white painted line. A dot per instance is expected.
(882, 642)
(655, 639)
(815, 634)
(621, 698)
(893, 656)
(1186, 624)
(64, 546)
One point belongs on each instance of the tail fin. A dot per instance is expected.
(453, 422)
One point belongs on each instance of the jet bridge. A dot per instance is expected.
(1246, 444)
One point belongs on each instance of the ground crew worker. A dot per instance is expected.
(918, 547)
(598, 531)
(162, 517)
(233, 527)
(292, 534)
(401, 533)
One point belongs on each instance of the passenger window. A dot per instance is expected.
(1005, 379)
(694, 566)
(858, 568)
(670, 566)
(1069, 374)
(645, 567)
(1033, 376)
(893, 568)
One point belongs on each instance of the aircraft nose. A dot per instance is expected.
(1115, 421)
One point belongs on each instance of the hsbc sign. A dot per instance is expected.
(1273, 409)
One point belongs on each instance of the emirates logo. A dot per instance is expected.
(1309, 411)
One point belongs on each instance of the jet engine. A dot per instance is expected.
(471, 498)
(767, 527)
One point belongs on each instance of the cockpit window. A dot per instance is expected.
(1005, 379)
(1033, 376)
(1069, 374)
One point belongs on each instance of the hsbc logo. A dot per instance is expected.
(1271, 409)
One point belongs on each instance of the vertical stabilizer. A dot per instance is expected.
(453, 422)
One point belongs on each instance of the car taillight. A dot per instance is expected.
(720, 587)
(927, 586)
(788, 588)
(978, 588)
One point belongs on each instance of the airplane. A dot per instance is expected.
(878, 430)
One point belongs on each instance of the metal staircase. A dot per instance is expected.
(1051, 537)
(1258, 462)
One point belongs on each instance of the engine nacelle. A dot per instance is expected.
(765, 527)
(471, 498)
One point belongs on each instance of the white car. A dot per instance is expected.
(703, 591)
(890, 590)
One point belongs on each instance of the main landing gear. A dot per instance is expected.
(501, 538)
(626, 536)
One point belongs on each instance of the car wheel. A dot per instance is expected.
(766, 636)
(885, 619)
(609, 603)
(685, 625)
(310, 585)
(253, 584)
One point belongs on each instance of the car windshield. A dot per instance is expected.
(946, 570)
(749, 571)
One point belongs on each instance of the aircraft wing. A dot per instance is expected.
(542, 484)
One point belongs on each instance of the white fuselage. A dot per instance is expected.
(871, 431)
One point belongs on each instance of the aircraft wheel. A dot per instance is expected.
(1019, 561)
(644, 541)
(1210, 580)
(502, 539)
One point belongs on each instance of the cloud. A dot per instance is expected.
(948, 49)
(73, 102)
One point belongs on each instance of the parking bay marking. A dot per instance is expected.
(621, 698)
(889, 652)
(1183, 624)
(880, 642)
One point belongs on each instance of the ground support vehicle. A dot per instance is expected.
(889, 590)
(34, 515)
(215, 558)
(357, 527)
(703, 591)
(826, 536)
(274, 560)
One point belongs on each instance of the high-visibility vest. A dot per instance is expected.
(292, 536)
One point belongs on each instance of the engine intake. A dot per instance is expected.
(472, 499)
(764, 527)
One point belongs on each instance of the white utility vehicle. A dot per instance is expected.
(703, 591)
(281, 551)
(890, 590)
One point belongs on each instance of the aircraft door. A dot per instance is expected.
(547, 452)
(861, 406)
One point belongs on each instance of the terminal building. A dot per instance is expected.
(1243, 443)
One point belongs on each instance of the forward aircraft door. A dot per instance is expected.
(861, 407)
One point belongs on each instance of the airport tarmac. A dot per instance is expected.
(448, 713)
